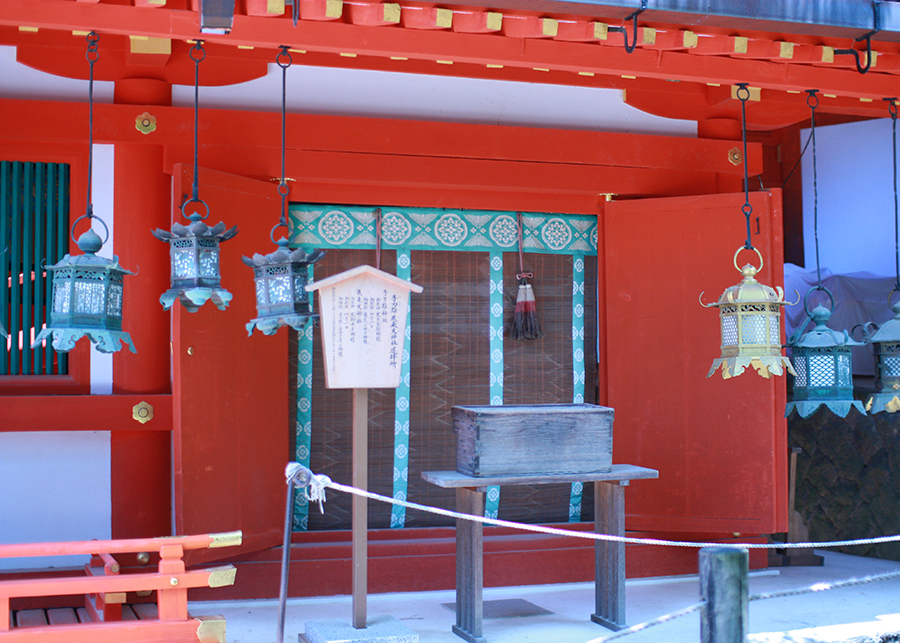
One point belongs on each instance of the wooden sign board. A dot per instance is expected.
(363, 319)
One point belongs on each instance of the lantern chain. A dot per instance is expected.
(92, 56)
(197, 54)
(283, 60)
(743, 94)
(812, 101)
(892, 108)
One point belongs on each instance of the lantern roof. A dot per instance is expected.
(90, 243)
(196, 229)
(283, 254)
(750, 290)
(889, 331)
(821, 336)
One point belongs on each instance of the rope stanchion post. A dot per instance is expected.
(723, 589)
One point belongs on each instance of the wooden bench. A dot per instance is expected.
(609, 559)
(105, 589)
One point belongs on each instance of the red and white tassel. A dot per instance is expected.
(525, 323)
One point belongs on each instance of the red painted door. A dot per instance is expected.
(230, 391)
(720, 445)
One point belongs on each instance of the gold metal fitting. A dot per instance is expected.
(142, 412)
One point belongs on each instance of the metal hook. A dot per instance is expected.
(624, 30)
(876, 10)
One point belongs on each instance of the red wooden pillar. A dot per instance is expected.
(141, 459)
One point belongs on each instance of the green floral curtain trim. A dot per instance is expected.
(492, 497)
(303, 417)
(340, 226)
(578, 374)
(401, 410)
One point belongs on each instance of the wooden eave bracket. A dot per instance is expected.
(321, 10)
(373, 14)
(477, 22)
(515, 26)
(265, 8)
(426, 18)
(582, 31)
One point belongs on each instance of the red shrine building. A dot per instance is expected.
(602, 138)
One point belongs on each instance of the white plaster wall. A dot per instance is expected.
(102, 198)
(53, 486)
(854, 164)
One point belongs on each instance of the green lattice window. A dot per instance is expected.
(34, 230)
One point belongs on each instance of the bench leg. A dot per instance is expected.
(609, 557)
(469, 567)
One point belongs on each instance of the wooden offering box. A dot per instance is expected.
(532, 439)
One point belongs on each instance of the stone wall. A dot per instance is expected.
(847, 478)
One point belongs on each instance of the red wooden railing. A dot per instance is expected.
(105, 590)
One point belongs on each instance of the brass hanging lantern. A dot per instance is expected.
(194, 249)
(281, 277)
(749, 312)
(87, 289)
(750, 318)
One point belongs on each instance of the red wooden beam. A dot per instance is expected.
(48, 121)
(82, 413)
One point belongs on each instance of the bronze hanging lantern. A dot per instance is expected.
(87, 300)
(822, 357)
(281, 277)
(87, 289)
(194, 249)
(749, 312)
(823, 363)
(886, 348)
(886, 339)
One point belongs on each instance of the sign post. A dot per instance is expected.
(363, 320)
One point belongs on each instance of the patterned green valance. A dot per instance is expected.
(340, 226)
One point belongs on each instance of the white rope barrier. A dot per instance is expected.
(315, 485)
(315, 491)
(825, 586)
(656, 621)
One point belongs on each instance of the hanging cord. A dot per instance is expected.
(797, 164)
(743, 94)
(92, 56)
(892, 108)
(284, 61)
(377, 214)
(812, 102)
(197, 54)
(522, 274)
